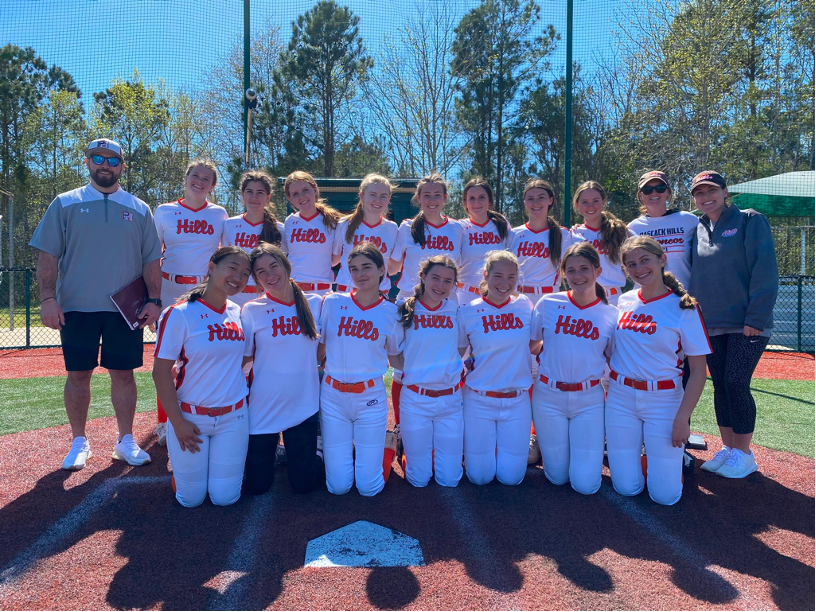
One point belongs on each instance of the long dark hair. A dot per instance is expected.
(587, 251)
(647, 243)
(554, 244)
(613, 231)
(330, 216)
(498, 219)
(269, 232)
(418, 222)
(225, 251)
(356, 217)
(408, 307)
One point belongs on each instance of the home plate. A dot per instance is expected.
(364, 544)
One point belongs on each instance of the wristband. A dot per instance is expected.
(47, 300)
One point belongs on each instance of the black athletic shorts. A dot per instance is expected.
(121, 346)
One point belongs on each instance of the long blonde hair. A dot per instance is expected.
(330, 216)
(613, 231)
(651, 245)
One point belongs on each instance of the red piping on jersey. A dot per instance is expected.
(378, 224)
(195, 210)
(479, 224)
(213, 308)
(577, 305)
(544, 229)
(292, 303)
(705, 329)
(437, 226)
(486, 301)
(377, 303)
(438, 306)
(317, 212)
(182, 371)
(161, 331)
(594, 229)
(248, 222)
(654, 299)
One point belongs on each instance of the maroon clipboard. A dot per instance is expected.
(130, 299)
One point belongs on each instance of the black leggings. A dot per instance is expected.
(732, 363)
(303, 465)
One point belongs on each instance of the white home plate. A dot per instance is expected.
(364, 544)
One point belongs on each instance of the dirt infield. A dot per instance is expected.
(113, 537)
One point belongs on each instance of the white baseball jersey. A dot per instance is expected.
(576, 338)
(238, 231)
(188, 237)
(445, 239)
(358, 340)
(309, 245)
(673, 231)
(284, 388)
(653, 337)
(208, 346)
(500, 339)
(383, 235)
(612, 276)
(430, 347)
(477, 241)
(533, 251)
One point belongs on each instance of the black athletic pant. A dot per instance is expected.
(732, 363)
(304, 466)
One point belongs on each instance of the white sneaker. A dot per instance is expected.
(161, 433)
(126, 449)
(738, 464)
(717, 461)
(534, 452)
(80, 452)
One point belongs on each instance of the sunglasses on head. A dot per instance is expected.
(649, 189)
(113, 162)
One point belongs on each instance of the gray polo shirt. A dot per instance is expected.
(102, 242)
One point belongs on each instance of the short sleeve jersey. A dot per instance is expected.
(309, 244)
(431, 347)
(208, 346)
(652, 337)
(477, 241)
(612, 275)
(445, 239)
(285, 386)
(674, 232)
(499, 336)
(383, 235)
(102, 242)
(238, 231)
(189, 237)
(576, 338)
(533, 251)
(358, 339)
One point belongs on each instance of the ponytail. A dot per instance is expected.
(500, 221)
(418, 222)
(650, 245)
(587, 251)
(601, 293)
(354, 221)
(418, 229)
(195, 293)
(408, 307)
(613, 233)
(270, 232)
(330, 216)
(225, 251)
(554, 241)
(686, 301)
(304, 313)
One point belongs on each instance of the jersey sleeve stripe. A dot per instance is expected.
(161, 330)
(705, 330)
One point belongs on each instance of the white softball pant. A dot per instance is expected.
(218, 467)
(171, 292)
(353, 428)
(570, 430)
(433, 437)
(636, 417)
(497, 437)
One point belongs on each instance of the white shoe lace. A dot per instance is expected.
(733, 458)
(721, 455)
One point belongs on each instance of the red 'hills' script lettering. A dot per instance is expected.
(375, 240)
(501, 322)
(310, 235)
(597, 244)
(358, 329)
(246, 241)
(438, 243)
(432, 322)
(638, 323)
(484, 238)
(576, 327)
(533, 249)
(228, 331)
(286, 327)
(199, 226)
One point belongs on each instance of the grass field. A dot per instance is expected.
(785, 408)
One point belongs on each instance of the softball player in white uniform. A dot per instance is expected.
(485, 230)
(257, 224)
(497, 413)
(309, 234)
(657, 326)
(366, 224)
(576, 328)
(359, 331)
(206, 404)
(431, 420)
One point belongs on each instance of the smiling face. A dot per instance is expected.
(580, 273)
(502, 280)
(376, 198)
(199, 182)
(301, 195)
(644, 267)
(103, 175)
(477, 203)
(432, 198)
(590, 205)
(365, 274)
(270, 274)
(439, 281)
(537, 203)
(255, 197)
(710, 200)
(655, 203)
(229, 275)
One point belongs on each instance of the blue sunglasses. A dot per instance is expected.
(113, 162)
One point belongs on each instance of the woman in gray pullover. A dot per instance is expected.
(735, 278)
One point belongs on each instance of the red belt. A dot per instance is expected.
(181, 280)
(250, 289)
(529, 289)
(314, 286)
(357, 387)
(213, 412)
(435, 393)
(342, 289)
(643, 385)
(500, 394)
(474, 290)
(612, 291)
(562, 386)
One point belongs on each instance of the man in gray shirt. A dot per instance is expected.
(93, 241)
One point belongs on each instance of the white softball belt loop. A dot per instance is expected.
(535, 290)
(469, 288)
(563, 386)
(180, 279)
(647, 385)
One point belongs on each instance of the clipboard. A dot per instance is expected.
(130, 299)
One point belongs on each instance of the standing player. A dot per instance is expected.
(673, 229)
(190, 231)
(208, 431)
(359, 332)
(485, 230)
(257, 224)
(281, 341)
(431, 411)
(309, 234)
(576, 328)
(366, 224)
(657, 326)
(605, 232)
(496, 396)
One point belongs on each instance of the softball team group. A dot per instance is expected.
(483, 341)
